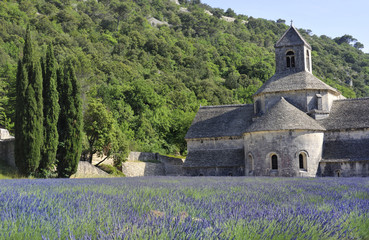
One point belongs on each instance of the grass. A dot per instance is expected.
(8, 172)
(113, 171)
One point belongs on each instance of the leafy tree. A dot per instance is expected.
(178, 66)
(230, 13)
(69, 123)
(98, 126)
(358, 45)
(345, 39)
(51, 114)
(3, 102)
(232, 80)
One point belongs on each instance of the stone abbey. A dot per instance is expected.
(298, 126)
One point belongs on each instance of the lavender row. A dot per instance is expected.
(185, 208)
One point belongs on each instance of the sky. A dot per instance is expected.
(333, 18)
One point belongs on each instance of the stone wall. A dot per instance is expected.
(287, 145)
(172, 166)
(300, 59)
(344, 169)
(140, 169)
(142, 156)
(346, 135)
(305, 100)
(138, 165)
(214, 144)
(87, 170)
(215, 171)
(7, 152)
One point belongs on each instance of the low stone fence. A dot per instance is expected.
(7, 152)
(151, 164)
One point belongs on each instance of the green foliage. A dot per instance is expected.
(153, 79)
(103, 134)
(111, 170)
(51, 114)
(29, 116)
(70, 123)
(8, 172)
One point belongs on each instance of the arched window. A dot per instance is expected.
(274, 159)
(290, 59)
(258, 106)
(302, 161)
(308, 60)
(251, 162)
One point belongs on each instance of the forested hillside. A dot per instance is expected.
(151, 63)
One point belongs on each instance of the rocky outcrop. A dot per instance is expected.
(87, 170)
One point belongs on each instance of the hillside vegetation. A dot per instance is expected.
(151, 63)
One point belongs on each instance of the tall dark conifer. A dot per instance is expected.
(20, 121)
(70, 123)
(29, 113)
(51, 113)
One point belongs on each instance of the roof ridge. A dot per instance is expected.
(352, 99)
(284, 116)
(228, 105)
(301, 80)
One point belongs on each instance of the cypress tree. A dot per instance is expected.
(51, 113)
(20, 121)
(70, 123)
(37, 83)
(29, 113)
(32, 141)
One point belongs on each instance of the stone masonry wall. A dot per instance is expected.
(140, 169)
(135, 166)
(210, 144)
(286, 145)
(7, 152)
(344, 169)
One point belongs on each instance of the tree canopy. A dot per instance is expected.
(153, 77)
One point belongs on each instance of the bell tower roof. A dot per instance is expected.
(291, 38)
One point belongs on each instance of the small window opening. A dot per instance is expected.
(230, 174)
(274, 162)
(251, 162)
(258, 106)
(302, 161)
(290, 59)
(338, 173)
(308, 60)
(200, 175)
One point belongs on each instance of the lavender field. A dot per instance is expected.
(185, 208)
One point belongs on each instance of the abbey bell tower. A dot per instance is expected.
(292, 53)
(293, 80)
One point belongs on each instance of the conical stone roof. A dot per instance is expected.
(283, 82)
(284, 116)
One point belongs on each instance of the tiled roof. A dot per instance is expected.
(220, 121)
(215, 158)
(348, 114)
(284, 116)
(283, 82)
(346, 150)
